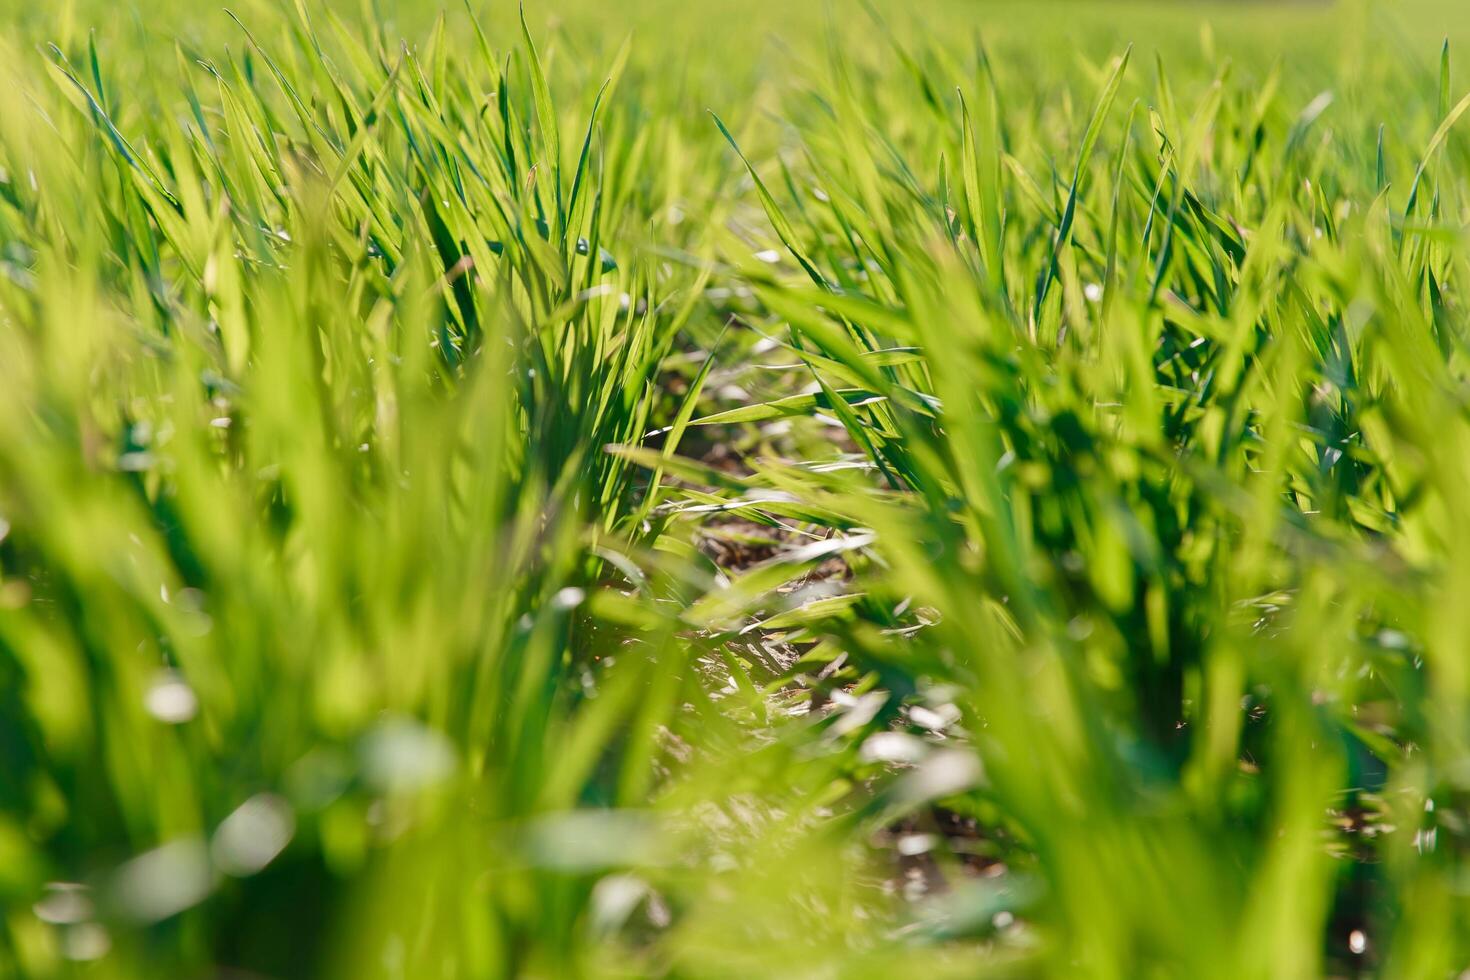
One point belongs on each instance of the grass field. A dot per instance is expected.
(734, 490)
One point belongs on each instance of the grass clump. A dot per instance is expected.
(983, 501)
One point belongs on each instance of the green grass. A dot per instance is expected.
(729, 491)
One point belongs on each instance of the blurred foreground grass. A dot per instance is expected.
(987, 500)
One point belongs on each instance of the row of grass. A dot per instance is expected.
(974, 502)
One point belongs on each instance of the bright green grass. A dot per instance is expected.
(1090, 422)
